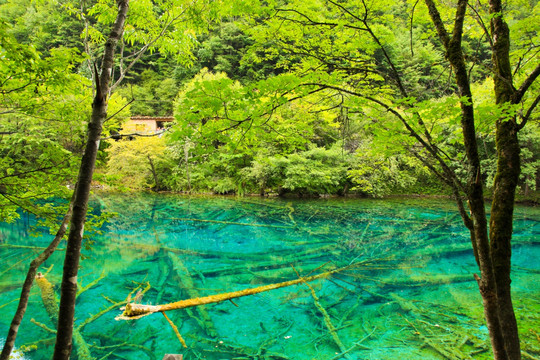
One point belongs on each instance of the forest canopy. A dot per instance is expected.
(270, 100)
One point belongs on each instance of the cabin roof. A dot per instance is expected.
(152, 118)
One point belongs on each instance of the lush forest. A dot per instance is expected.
(259, 100)
(288, 98)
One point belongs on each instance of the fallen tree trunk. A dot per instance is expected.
(186, 280)
(136, 311)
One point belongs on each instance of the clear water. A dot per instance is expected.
(411, 295)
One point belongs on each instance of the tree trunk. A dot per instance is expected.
(493, 253)
(68, 293)
(186, 158)
(500, 231)
(154, 173)
(506, 180)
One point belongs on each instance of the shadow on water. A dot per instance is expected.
(410, 293)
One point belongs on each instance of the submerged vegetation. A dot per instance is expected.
(406, 286)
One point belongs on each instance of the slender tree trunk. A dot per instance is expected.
(186, 159)
(68, 294)
(505, 182)
(27, 286)
(154, 173)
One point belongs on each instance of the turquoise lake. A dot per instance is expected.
(407, 290)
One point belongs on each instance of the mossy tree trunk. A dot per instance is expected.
(475, 194)
(493, 252)
(507, 175)
(62, 349)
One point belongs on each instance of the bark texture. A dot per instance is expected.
(506, 180)
(64, 343)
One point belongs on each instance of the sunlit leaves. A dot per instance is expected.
(130, 162)
(169, 27)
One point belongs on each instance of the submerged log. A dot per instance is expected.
(307, 255)
(187, 282)
(429, 331)
(233, 223)
(50, 302)
(328, 322)
(426, 280)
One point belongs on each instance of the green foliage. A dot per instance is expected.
(130, 162)
(224, 49)
(277, 97)
(44, 24)
(529, 138)
(153, 95)
(315, 171)
(41, 125)
(307, 173)
(376, 174)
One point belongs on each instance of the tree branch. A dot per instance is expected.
(529, 112)
(482, 25)
(147, 45)
(518, 95)
(431, 149)
(459, 20)
(123, 107)
(437, 21)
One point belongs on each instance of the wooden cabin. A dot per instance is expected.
(147, 124)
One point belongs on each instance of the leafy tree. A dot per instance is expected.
(225, 49)
(349, 47)
(152, 27)
(153, 95)
(228, 126)
(137, 162)
(44, 24)
(38, 139)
